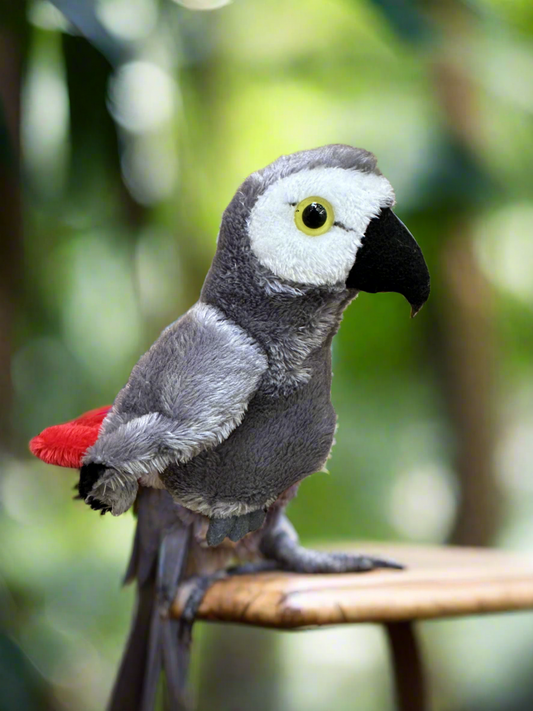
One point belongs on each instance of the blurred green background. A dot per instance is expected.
(125, 128)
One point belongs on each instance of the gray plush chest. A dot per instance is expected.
(282, 439)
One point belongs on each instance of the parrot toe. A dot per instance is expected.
(112, 491)
(218, 529)
(194, 588)
(89, 475)
(246, 524)
(234, 527)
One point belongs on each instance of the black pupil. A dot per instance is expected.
(314, 215)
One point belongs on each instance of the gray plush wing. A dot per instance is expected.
(185, 395)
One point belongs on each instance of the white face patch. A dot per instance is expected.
(289, 253)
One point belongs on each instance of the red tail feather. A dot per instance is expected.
(64, 445)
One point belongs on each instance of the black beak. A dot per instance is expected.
(389, 259)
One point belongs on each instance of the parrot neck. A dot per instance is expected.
(290, 322)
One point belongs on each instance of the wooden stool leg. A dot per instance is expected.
(408, 669)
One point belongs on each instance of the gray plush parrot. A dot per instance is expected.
(230, 408)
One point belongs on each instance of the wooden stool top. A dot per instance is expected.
(438, 582)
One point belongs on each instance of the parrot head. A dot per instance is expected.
(323, 218)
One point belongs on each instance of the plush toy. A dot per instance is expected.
(230, 408)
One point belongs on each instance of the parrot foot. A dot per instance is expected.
(106, 489)
(198, 585)
(306, 560)
(234, 527)
(281, 544)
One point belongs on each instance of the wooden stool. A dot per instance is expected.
(438, 582)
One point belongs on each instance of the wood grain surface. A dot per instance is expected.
(438, 582)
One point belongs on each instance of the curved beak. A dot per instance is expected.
(390, 259)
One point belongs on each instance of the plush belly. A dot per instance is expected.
(280, 441)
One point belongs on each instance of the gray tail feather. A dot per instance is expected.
(156, 642)
(128, 689)
(176, 655)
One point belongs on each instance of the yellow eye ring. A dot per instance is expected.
(314, 216)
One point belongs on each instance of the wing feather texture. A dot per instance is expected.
(185, 395)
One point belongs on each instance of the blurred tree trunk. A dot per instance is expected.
(461, 335)
(23, 687)
(13, 45)
(94, 152)
(466, 353)
(466, 347)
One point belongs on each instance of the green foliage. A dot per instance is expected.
(132, 146)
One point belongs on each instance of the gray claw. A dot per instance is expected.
(114, 491)
(234, 527)
(239, 529)
(246, 524)
(256, 518)
(386, 563)
(218, 529)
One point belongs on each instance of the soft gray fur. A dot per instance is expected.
(231, 406)
(335, 155)
(186, 394)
